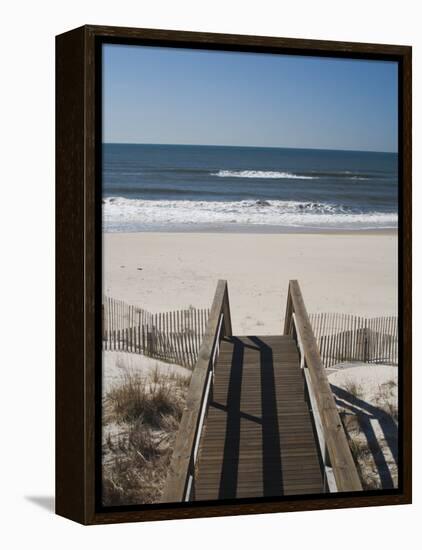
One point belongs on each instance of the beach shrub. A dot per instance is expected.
(142, 414)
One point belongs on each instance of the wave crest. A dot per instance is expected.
(265, 174)
(122, 214)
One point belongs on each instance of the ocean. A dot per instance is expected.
(213, 188)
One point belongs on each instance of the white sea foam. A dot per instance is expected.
(122, 214)
(261, 174)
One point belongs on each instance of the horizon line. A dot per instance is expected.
(250, 147)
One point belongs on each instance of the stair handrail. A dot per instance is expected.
(335, 451)
(180, 482)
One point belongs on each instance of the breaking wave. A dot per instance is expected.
(265, 174)
(122, 214)
(311, 175)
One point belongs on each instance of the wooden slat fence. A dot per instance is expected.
(117, 315)
(173, 336)
(343, 337)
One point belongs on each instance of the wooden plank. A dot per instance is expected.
(396, 334)
(392, 340)
(358, 342)
(323, 341)
(160, 335)
(174, 339)
(375, 335)
(339, 339)
(336, 351)
(346, 333)
(318, 330)
(114, 309)
(177, 331)
(110, 314)
(374, 339)
(192, 335)
(353, 337)
(350, 337)
(337, 356)
(179, 342)
(379, 339)
(187, 336)
(173, 328)
(170, 337)
(183, 343)
(386, 338)
(330, 342)
(164, 336)
(112, 325)
(201, 325)
(197, 331)
(169, 349)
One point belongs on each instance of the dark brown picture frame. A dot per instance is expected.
(78, 259)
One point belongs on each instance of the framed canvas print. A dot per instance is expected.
(233, 274)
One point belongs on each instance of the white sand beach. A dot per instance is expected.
(350, 272)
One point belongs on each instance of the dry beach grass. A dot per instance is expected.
(141, 416)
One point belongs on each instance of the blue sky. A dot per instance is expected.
(179, 96)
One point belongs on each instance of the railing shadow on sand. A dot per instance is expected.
(365, 414)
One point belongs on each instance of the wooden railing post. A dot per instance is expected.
(226, 312)
(288, 314)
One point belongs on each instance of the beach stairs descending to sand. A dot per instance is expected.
(258, 439)
(260, 418)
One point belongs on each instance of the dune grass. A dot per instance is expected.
(373, 451)
(141, 418)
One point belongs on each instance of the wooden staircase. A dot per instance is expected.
(258, 438)
(260, 418)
